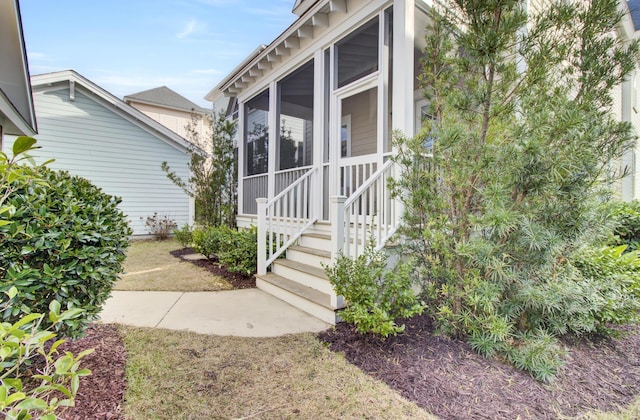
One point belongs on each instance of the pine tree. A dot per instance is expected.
(510, 191)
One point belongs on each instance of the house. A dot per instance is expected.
(345, 73)
(95, 135)
(174, 111)
(17, 115)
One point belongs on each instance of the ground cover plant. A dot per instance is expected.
(504, 185)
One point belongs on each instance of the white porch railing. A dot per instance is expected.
(370, 213)
(354, 171)
(284, 219)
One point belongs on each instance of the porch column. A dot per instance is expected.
(273, 146)
(403, 66)
(318, 133)
(241, 162)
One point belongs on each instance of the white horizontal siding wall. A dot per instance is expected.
(93, 141)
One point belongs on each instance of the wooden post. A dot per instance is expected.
(262, 236)
(337, 225)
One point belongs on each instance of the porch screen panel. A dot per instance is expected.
(357, 53)
(295, 118)
(257, 134)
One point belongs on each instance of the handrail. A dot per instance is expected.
(369, 214)
(283, 219)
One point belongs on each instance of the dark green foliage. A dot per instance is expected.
(626, 217)
(66, 242)
(499, 210)
(214, 172)
(376, 297)
(236, 249)
(184, 235)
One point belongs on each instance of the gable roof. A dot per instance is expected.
(302, 6)
(70, 79)
(16, 102)
(163, 96)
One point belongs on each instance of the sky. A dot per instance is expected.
(129, 46)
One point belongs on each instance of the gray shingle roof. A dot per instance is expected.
(634, 8)
(165, 97)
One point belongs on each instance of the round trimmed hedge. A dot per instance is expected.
(66, 242)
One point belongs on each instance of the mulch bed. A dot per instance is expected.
(237, 280)
(446, 378)
(101, 394)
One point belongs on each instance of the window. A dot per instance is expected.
(295, 107)
(345, 136)
(257, 134)
(357, 53)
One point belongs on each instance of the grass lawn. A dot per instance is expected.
(183, 375)
(149, 266)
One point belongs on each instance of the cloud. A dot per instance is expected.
(190, 28)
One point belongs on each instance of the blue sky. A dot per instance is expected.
(130, 46)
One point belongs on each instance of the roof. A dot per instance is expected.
(301, 6)
(163, 96)
(16, 101)
(634, 9)
(73, 80)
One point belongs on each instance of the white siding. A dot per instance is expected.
(92, 141)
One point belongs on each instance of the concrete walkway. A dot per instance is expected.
(242, 313)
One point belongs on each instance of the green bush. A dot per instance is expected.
(612, 277)
(184, 235)
(24, 394)
(375, 297)
(239, 251)
(236, 249)
(65, 241)
(626, 217)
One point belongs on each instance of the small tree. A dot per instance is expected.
(523, 140)
(214, 175)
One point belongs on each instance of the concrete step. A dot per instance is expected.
(304, 274)
(307, 255)
(305, 298)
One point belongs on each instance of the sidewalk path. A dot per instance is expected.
(242, 313)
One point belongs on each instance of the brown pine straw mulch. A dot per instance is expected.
(443, 376)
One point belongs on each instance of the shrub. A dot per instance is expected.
(184, 235)
(612, 278)
(626, 217)
(239, 252)
(375, 297)
(160, 226)
(66, 242)
(24, 394)
(236, 249)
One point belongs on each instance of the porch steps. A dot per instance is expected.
(300, 280)
(308, 299)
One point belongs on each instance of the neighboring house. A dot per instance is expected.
(175, 112)
(17, 116)
(345, 73)
(95, 135)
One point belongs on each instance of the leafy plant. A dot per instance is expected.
(509, 190)
(160, 226)
(376, 297)
(55, 385)
(213, 167)
(184, 235)
(65, 241)
(626, 217)
(236, 249)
